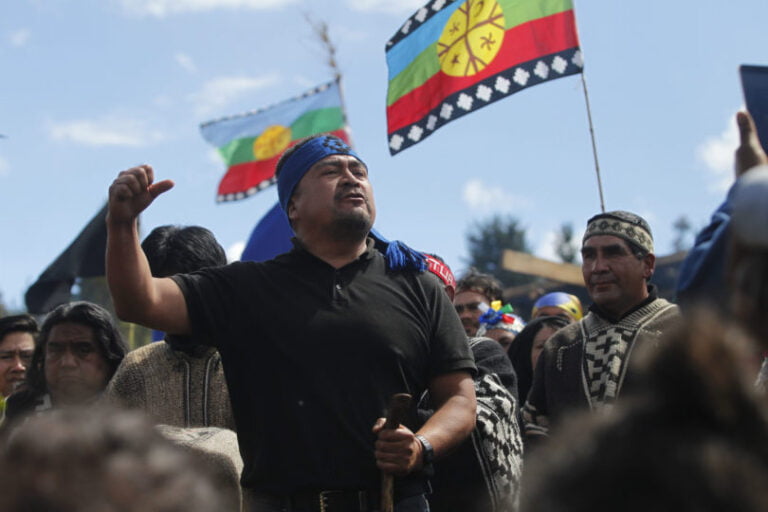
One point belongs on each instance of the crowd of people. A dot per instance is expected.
(354, 373)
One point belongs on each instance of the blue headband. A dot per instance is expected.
(298, 163)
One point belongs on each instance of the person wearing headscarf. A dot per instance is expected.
(501, 324)
(558, 304)
(314, 342)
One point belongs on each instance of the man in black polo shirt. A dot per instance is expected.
(313, 342)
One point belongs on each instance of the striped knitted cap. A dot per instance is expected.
(629, 226)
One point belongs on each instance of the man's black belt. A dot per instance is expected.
(319, 501)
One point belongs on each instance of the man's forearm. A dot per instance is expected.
(454, 418)
(128, 273)
(137, 296)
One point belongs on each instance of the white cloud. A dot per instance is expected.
(219, 92)
(389, 6)
(490, 199)
(546, 247)
(19, 37)
(163, 8)
(235, 251)
(109, 131)
(717, 154)
(5, 167)
(186, 62)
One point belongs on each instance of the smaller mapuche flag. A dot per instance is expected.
(250, 144)
(453, 57)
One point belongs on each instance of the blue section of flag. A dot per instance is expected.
(271, 236)
(407, 49)
(223, 131)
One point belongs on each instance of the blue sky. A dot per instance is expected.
(92, 87)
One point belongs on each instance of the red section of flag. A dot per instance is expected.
(242, 177)
(522, 43)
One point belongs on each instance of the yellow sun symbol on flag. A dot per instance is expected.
(471, 38)
(271, 142)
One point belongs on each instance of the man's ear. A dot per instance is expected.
(292, 214)
(649, 261)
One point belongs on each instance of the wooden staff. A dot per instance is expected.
(398, 409)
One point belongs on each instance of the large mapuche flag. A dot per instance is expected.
(453, 57)
(250, 144)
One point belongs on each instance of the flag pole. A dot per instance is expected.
(321, 31)
(594, 144)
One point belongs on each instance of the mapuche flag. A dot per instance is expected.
(453, 57)
(250, 144)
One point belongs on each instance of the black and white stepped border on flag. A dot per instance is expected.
(305, 94)
(223, 198)
(506, 83)
(418, 19)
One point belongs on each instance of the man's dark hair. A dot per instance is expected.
(108, 339)
(18, 323)
(636, 250)
(77, 459)
(174, 250)
(484, 284)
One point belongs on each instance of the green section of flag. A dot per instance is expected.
(517, 12)
(315, 121)
(421, 69)
(238, 151)
(426, 64)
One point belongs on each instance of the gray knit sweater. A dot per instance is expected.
(584, 365)
(173, 388)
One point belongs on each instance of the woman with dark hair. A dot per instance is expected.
(78, 351)
(526, 349)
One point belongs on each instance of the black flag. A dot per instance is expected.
(83, 258)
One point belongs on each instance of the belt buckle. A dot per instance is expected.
(362, 499)
(323, 496)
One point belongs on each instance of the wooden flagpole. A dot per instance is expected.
(321, 31)
(594, 144)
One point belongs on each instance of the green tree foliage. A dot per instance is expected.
(566, 247)
(487, 241)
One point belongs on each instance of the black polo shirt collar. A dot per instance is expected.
(300, 250)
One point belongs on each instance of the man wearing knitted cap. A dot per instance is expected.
(584, 365)
(315, 341)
